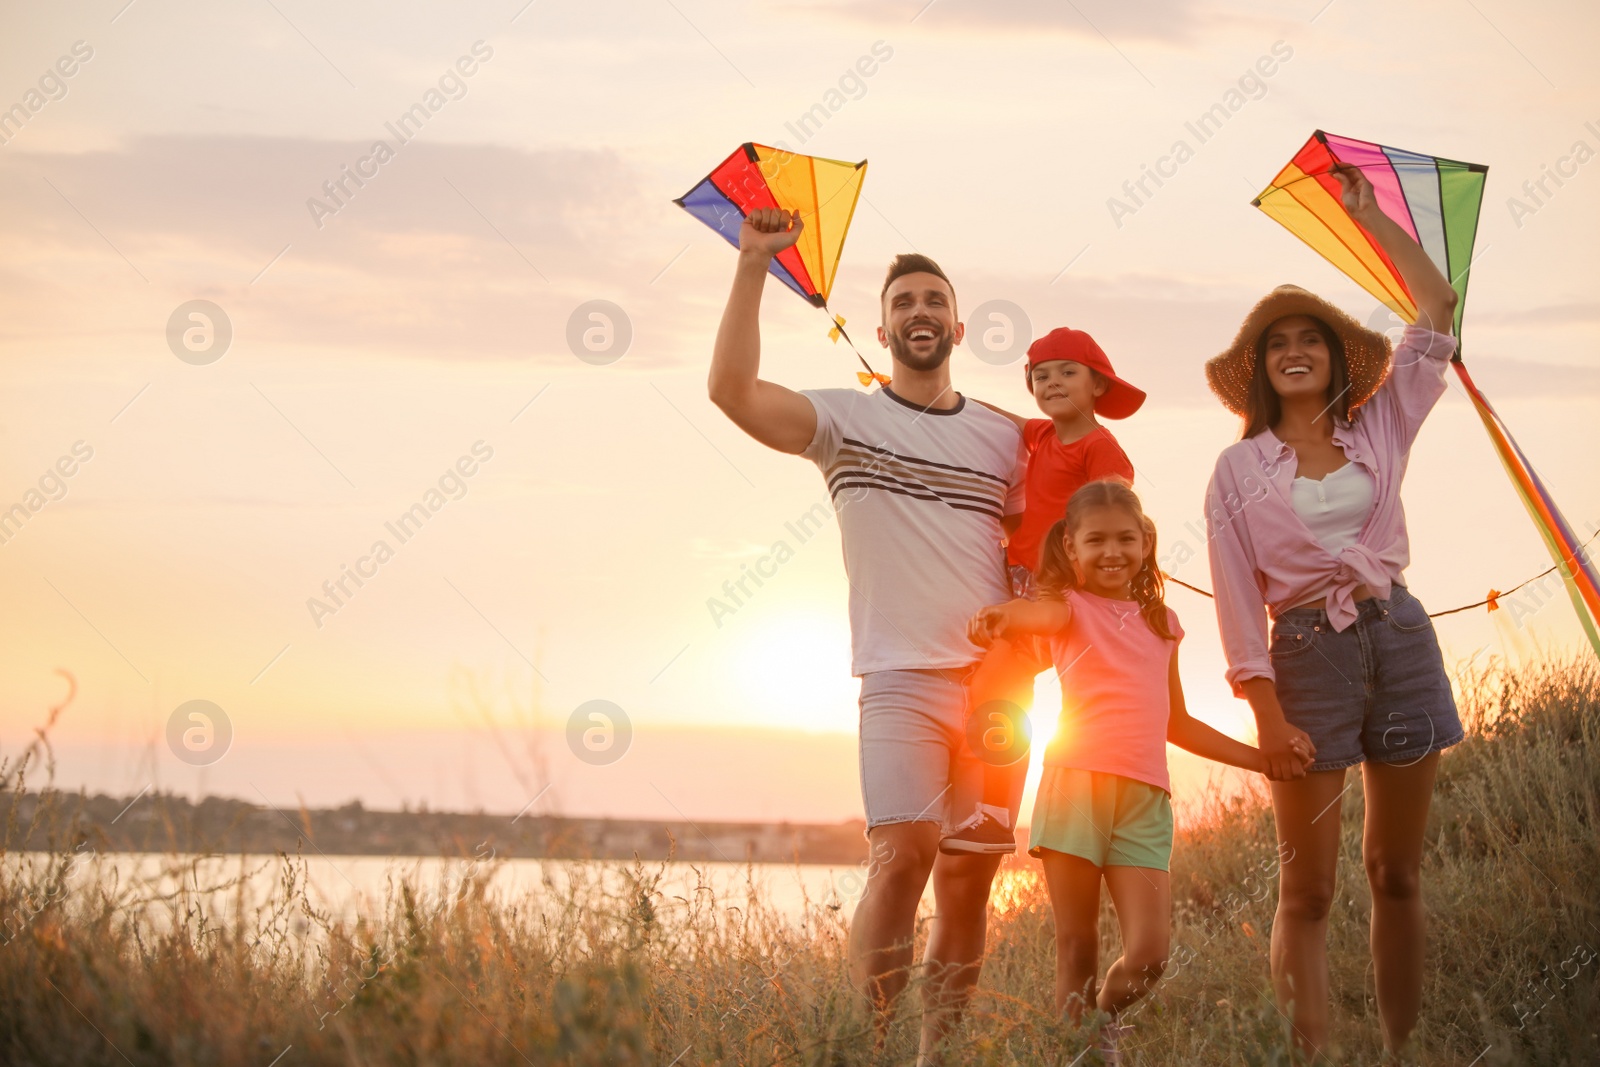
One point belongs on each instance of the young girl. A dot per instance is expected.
(1104, 808)
(1072, 381)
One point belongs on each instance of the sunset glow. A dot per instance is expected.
(439, 313)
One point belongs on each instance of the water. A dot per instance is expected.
(350, 887)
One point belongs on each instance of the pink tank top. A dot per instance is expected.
(1115, 697)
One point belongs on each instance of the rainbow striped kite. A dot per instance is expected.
(1437, 202)
(823, 192)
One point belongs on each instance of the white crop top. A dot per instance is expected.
(1335, 508)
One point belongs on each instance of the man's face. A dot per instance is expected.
(919, 321)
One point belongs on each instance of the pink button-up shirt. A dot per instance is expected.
(1264, 559)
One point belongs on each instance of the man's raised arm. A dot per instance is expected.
(777, 417)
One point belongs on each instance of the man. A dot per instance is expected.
(925, 485)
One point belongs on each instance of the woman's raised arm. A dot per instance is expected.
(1435, 299)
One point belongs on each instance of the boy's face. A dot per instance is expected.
(1064, 389)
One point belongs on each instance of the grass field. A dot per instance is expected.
(616, 972)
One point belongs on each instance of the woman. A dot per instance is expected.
(1306, 526)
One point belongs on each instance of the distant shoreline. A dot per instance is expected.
(158, 822)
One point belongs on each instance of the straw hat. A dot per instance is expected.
(1365, 351)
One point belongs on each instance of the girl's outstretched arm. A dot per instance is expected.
(1189, 733)
(1017, 617)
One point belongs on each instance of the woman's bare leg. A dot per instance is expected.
(1307, 814)
(1398, 796)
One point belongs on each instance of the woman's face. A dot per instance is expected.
(1298, 362)
(1107, 550)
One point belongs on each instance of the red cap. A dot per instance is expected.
(1119, 400)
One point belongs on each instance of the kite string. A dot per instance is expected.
(1568, 560)
(839, 325)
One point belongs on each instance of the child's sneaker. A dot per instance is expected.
(981, 835)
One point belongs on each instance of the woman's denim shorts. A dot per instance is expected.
(1374, 691)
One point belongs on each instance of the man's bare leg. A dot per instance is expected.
(961, 885)
(884, 925)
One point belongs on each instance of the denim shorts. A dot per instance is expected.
(1375, 691)
(916, 765)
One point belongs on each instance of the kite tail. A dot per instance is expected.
(1572, 562)
(838, 331)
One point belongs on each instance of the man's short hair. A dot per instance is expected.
(911, 263)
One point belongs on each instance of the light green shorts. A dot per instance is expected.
(1107, 819)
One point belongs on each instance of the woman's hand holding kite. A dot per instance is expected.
(1435, 299)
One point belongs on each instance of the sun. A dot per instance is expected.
(1045, 714)
(792, 671)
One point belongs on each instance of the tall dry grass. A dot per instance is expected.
(613, 970)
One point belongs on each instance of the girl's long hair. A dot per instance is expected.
(1264, 409)
(1056, 574)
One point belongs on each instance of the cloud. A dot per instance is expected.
(1571, 313)
(247, 192)
(1158, 328)
(449, 250)
(726, 548)
(1172, 21)
(1504, 379)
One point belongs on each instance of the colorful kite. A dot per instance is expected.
(1436, 201)
(823, 192)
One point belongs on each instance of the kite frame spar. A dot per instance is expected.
(822, 192)
(1305, 199)
(1446, 229)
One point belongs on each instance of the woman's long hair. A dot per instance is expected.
(1056, 574)
(1263, 407)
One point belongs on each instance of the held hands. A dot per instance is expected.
(988, 625)
(1286, 752)
(766, 231)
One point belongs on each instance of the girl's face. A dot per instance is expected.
(1107, 550)
(1064, 389)
(1298, 362)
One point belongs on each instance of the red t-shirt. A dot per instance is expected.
(1055, 472)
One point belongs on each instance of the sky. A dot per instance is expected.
(425, 335)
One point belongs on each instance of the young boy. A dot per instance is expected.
(1072, 381)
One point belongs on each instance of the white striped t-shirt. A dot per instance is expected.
(919, 494)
